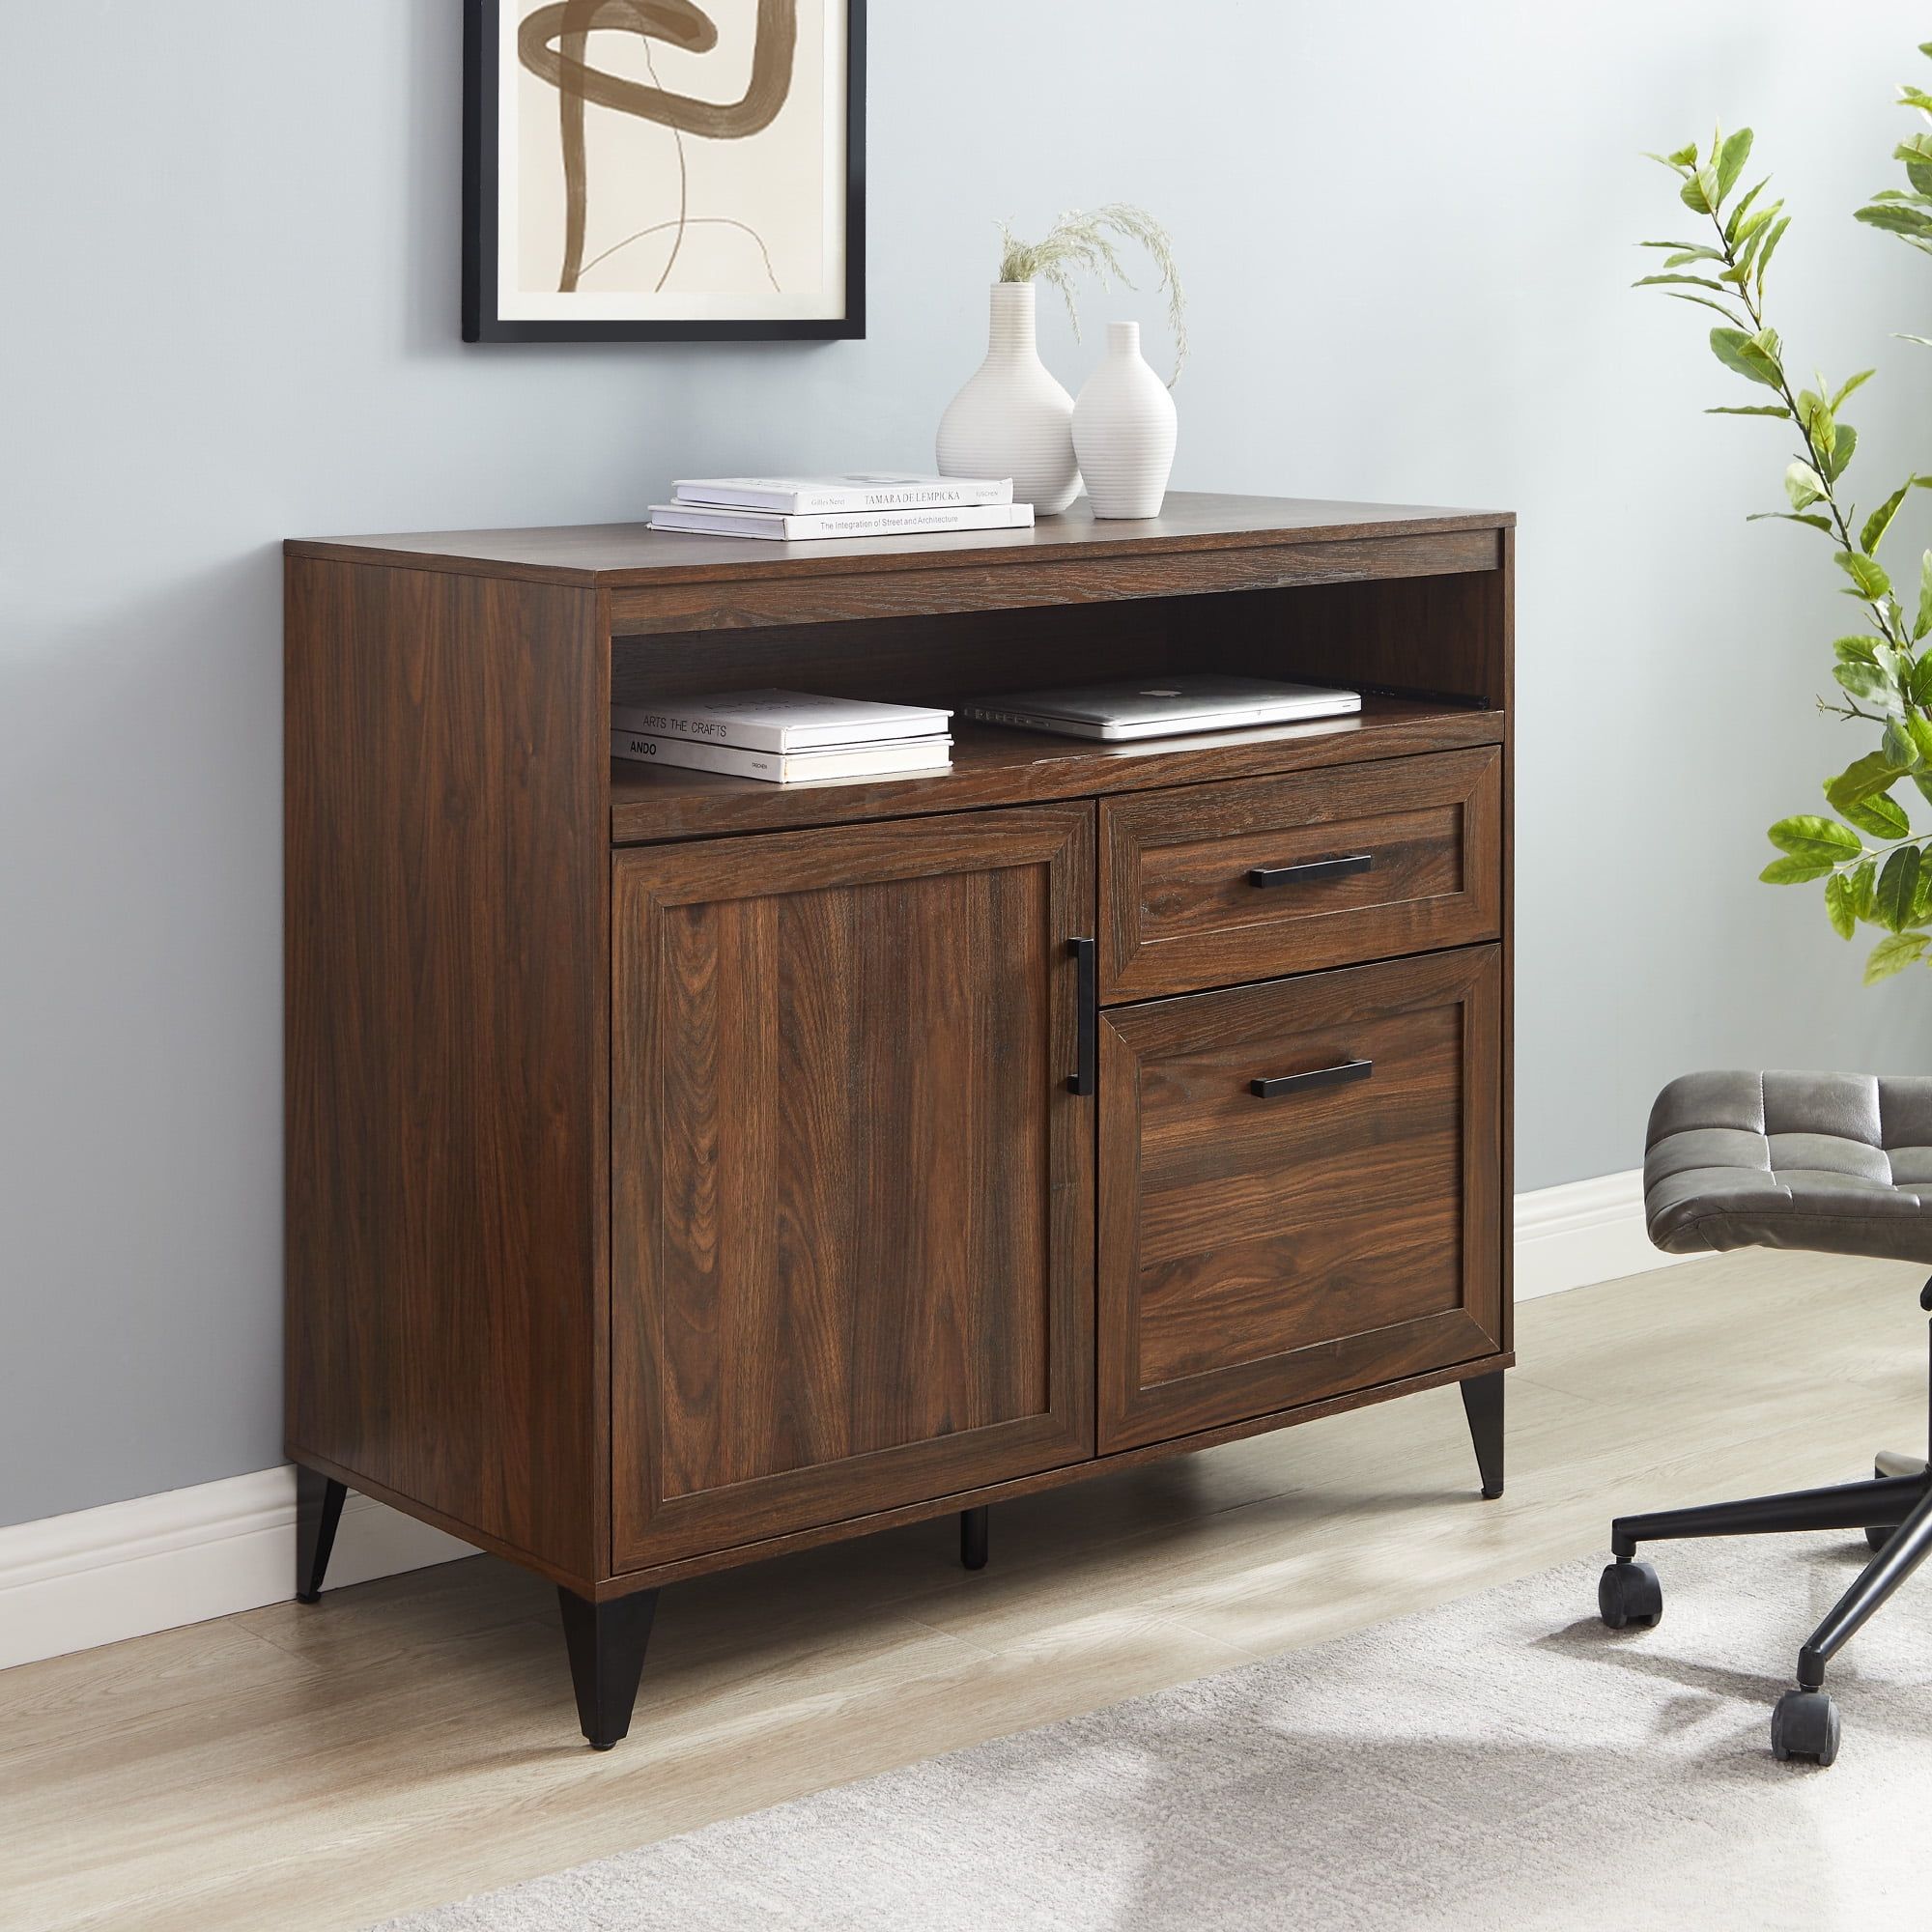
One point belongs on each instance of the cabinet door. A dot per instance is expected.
(1300, 1191)
(852, 1192)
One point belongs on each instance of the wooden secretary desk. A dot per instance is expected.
(684, 1170)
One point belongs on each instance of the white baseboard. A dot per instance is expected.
(1584, 1232)
(99, 1575)
(70, 1583)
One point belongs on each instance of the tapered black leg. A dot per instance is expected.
(607, 1644)
(319, 1503)
(972, 1538)
(1483, 1404)
(1905, 1550)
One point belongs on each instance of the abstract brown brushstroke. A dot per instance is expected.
(569, 22)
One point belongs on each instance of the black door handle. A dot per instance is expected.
(1084, 1078)
(1322, 1077)
(1311, 869)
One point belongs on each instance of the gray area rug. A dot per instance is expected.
(1504, 1761)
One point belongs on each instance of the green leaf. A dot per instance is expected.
(1807, 836)
(1699, 191)
(1880, 520)
(1730, 162)
(1897, 882)
(1843, 444)
(1686, 248)
(1922, 624)
(1751, 410)
(1897, 745)
(1919, 728)
(1868, 680)
(1749, 195)
(1749, 234)
(1730, 315)
(1792, 517)
(1686, 157)
(1863, 885)
(1908, 97)
(1882, 817)
(1747, 354)
(1896, 217)
(1768, 249)
(1803, 486)
(1794, 872)
(1857, 650)
(1921, 681)
(1692, 281)
(1868, 575)
(1842, 905)
(1893, 953)
(1863, 778)
(1850, 384)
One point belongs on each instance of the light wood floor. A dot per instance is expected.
(412, 1741)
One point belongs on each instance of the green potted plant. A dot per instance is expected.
(1873, 865)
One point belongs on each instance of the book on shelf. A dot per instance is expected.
(768, 720)
(821, 495)
(897, 757)
(782, 526)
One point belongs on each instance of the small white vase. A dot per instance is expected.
(1013, 418)
(1124, 429)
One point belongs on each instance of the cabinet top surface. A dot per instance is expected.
(614, 554)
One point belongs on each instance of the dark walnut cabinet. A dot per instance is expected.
(683, 1170)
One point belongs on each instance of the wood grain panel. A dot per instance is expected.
(613, 556)
(853, 1196)
(994, 767)
(922, 660)
(1179, 912)
(1256, 1253)
(1440, 633)
(1012, 577)
(446, 1048)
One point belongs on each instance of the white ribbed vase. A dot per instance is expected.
(1124, 429)
(1013, 418)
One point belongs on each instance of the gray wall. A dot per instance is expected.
(229, 240)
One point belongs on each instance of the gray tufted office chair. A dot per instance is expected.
(1838, 1163)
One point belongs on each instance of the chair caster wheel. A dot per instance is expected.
(1804, 1724)
(1629, 1593)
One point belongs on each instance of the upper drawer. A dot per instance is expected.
(1213, 885)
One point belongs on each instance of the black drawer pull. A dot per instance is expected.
(1084, 1078)
(1312, 868)
(1322, 1077)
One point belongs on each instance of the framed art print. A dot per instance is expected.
(662, 170)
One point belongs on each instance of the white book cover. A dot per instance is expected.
(779, 721)
(862, 490)
(905, 758)
(702, 519)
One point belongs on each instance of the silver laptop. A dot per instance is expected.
(1162, 707)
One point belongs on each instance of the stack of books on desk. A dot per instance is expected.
(783, 737)
(793, 509)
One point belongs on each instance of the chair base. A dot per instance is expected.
(1894, 1510)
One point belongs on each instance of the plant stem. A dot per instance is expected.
(1819, 464)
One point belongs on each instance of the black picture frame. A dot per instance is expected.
(482, 22)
